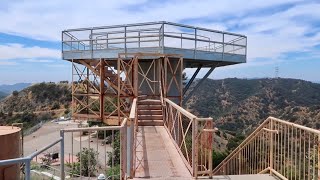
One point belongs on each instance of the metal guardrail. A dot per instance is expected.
(122, 129)
(153, 34)
(284, 149)
(27, 160)
(192, 137)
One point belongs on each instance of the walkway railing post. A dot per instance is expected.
(271, 146)
(62, 174)
(195, 148)
(239, 163)
(27, 169)
(123, 150)
(318, 157)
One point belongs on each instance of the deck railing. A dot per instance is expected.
(192, 137)
(153, 34)
(284, 149)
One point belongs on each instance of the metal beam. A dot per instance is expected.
(198, 84)
(191, 80)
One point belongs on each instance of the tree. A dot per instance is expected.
(15, 93)
(115, 155)
(184, 78)
(88, 160)
(218, 157)
(114, 171)
(55, 105)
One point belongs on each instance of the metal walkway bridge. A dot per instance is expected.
(277, 149)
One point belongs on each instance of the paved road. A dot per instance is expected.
(50, 132)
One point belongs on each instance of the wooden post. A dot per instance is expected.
(102, 76)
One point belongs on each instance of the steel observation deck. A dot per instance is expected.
(198, 46)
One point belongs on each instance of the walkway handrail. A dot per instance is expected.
(284, 149)
(133, 116)
(192, 137)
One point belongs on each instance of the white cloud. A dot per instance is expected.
(46, 19)
(39, 60)
(269, 35)
(19, 51)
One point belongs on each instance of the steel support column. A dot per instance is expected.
(102, 77)
(185, 89)
(198, 84)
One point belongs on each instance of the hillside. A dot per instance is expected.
(35, 103)
(239, 105)
(38, 97)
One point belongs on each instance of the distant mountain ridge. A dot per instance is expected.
(3, 95)
(240, 105)
(14, 87)
(38, 97)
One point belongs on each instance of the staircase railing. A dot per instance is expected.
(192, 137)
(281, 148)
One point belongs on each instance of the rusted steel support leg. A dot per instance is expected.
(102, 76)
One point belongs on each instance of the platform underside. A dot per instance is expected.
(191, 57)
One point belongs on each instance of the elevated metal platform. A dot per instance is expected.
(198, 46)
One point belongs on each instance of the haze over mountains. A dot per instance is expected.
(6, 89)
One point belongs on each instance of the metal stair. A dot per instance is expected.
(149, 112)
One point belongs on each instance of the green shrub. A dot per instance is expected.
(113, 172)
(88, 162)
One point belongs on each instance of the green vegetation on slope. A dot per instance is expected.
(35, 103)
(239, 105)
(38, 97)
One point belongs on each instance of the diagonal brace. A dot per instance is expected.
(198, 84)
(185, 89)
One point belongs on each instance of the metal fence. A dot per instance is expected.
(153, 34)
(97, 150)
(284, 149)
(32, 129)
(192, 137)
(85, 152)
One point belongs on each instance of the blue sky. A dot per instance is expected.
(284, 34)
